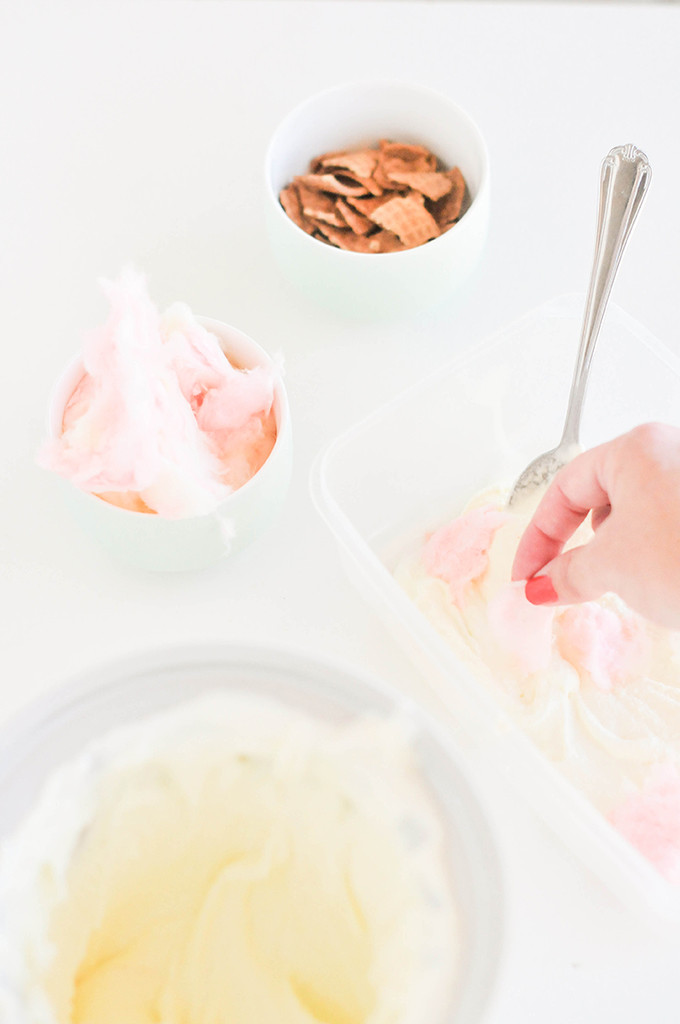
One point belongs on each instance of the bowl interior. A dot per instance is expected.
(57, 727)
(361, 114)
(237, 346)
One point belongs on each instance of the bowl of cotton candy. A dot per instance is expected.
(171, 432)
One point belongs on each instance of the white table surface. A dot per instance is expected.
(136, 133)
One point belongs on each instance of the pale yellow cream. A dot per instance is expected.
(260, 879)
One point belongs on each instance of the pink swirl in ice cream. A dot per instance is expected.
(609, 646)
(161, 421)
(458, 552)
(522, 631)
(596, 686)
(650, 819)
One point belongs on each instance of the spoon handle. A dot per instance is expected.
(624, 180)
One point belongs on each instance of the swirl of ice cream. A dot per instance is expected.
(231, 860)
(595, 685)
(161, 420)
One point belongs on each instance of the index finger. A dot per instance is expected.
(576, 490)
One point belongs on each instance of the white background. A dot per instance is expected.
(136, 132)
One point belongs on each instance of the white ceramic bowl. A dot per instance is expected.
(153, 542)
(384, 285)
(55, 729)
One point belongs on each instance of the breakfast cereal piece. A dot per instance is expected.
(385, 184)
(319, 206)
(357, 166)
(318, 162)
(372, 187)
(360, 163)
(385, 241)
(289, 198)
(319, 227)
(448, 209)
(397, 158)
(345, 238)
(343, 185)
(359, 224)
(407, 157)
(432, 184)
(417, 157)
(407, 217)
(368, 204)
(381, 241)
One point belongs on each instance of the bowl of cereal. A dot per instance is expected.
(377, 198)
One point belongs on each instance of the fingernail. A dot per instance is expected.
(539, 590)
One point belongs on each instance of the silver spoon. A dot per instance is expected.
(624, 179)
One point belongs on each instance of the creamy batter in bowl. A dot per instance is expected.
(209, 835)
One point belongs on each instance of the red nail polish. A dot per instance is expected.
(539, 590)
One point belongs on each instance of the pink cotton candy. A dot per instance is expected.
(221, 396)
(650, 820)
(610, 646)
(458, 553)
(521, 630)
(161, 418)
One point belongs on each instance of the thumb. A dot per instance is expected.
(577, 575)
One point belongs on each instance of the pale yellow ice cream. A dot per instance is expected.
(241, 865)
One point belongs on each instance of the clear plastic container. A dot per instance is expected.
(55, 729)
(476, 422)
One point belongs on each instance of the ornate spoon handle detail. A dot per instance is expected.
(624, 179)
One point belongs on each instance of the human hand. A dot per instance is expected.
(632, 486)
